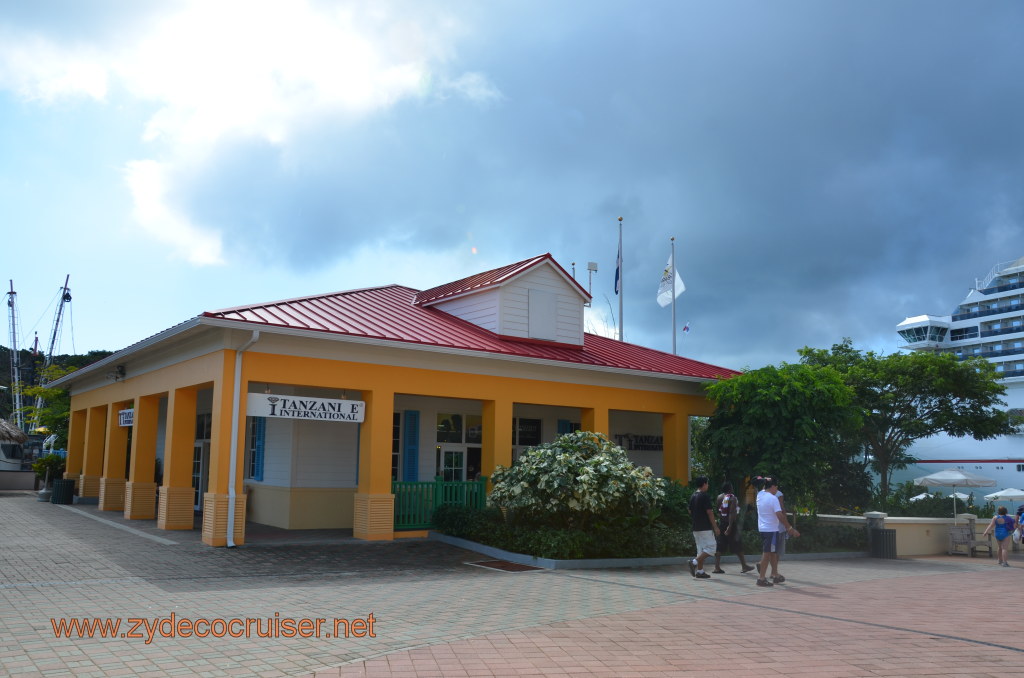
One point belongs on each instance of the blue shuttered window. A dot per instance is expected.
(257, 442)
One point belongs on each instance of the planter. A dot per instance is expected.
(43, 495)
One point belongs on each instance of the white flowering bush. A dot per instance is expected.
(580, 480)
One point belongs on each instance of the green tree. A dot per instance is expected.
(781, 421)
(904, 397)
(55, 410)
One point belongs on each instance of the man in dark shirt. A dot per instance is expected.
(704, 528)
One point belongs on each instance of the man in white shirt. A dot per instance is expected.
(770, 520)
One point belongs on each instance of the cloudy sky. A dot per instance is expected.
(827, 168)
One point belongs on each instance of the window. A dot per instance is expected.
(474, 429)
(526, 431)
(460, 428)
(257, 442)
(449, 428)
(204, 425)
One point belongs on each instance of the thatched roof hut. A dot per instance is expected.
(9, 433)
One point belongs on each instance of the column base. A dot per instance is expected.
(112, 494)
(140, 501)
(215, 519)
(374, 517)
(88, 486)
(177, 508)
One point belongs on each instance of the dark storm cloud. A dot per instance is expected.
(827, 168)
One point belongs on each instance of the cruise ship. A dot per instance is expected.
(988, 323)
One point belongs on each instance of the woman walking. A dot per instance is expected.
(1003, 526)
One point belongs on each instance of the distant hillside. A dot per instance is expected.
(30, 365)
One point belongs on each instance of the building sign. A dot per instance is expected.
(639, 443)
(125, 417)
(301, 407)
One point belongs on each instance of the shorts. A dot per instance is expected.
(705, 541)
(780, 545)
(769, 542)
(725, 543)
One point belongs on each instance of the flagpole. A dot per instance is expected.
(622, 287)
(674, 296)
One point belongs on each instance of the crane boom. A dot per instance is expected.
(12, 313)
(65, 297)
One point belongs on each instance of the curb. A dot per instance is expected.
(608, 563)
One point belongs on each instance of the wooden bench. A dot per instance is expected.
(963, 536)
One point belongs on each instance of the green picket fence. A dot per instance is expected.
(415, 502)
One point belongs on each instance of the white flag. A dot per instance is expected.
(665, 288)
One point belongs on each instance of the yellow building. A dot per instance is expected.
(303, 413)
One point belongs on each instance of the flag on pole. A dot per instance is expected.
(665, 288)
(618, 268)
(686, 328)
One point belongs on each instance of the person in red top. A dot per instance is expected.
(727, 506)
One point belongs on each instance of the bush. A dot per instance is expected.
(468, 523)
(898, 504)
(579, 480)
(675, 506)
(487, 526)
(52, 466)
(818, 537)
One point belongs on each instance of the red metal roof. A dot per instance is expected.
(492, 278)
(390, 313)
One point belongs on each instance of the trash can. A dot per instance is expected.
(882, 543)
(63, 491)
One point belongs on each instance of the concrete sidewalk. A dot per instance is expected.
(436, 614)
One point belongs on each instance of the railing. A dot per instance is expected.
(1003, 330)
(1009, 308)
(415, 502)
(1002, 288)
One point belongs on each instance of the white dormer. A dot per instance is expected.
(533, 299)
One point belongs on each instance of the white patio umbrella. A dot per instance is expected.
(1010, 494)
(954, 477)
(919, 497)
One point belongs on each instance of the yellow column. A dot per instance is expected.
(140, 490)
(92, 459)
(374, 503)
(176, 510)
(497, 442)
(76, 445)
(114, 461)
(675, 431)
(222, 446)
(595, 420)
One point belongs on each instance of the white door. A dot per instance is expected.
(451, 462)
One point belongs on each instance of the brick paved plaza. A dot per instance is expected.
(436, 615)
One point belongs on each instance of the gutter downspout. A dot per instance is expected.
(235, 446)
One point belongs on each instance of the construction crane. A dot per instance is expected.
(12, 314)
(65, 298)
